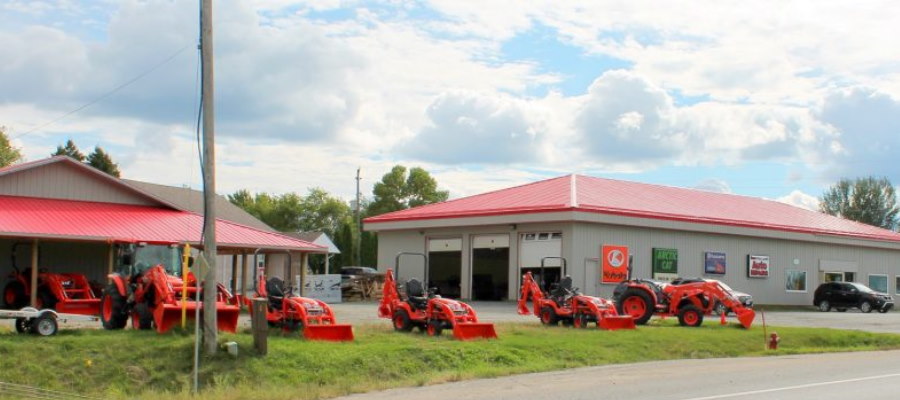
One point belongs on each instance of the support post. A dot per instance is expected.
(210, 333)
(34, 273)
(245, 260)
(304, 264)
(259, 326)
(234, 274)
(110, 259)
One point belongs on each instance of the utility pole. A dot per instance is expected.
(210, 334)
(358, 225)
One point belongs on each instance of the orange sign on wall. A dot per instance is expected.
(614, 263)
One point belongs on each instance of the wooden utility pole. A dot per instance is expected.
(210, 335)
(358, 224)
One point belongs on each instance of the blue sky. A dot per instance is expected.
(771, 99)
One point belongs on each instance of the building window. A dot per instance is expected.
(834, 277)
(878, 283)
(543, 236)
(529, 236)
(795, 280)
(556, 235)
(849, 277)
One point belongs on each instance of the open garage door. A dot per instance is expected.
(445, 266)
(490, 267)
(533, 247)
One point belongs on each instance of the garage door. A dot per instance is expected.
(535, 246)
(490, 267)
(445, 266)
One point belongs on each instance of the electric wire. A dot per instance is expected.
(107, 94)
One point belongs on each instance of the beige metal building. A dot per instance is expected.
(479, 246)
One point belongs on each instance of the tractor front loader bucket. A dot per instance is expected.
(746, 316)
(168, 315)
(613, 323)
(331, 333)
(227, 317)
(469, 331)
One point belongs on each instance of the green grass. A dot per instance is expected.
(131, 364)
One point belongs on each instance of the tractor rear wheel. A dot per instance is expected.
(14, 296)
(401, 321)
(636, 303)
(112, 308)
(435, 327)
(549, 317)
(690, 315)
(141, 317)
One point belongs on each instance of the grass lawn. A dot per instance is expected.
(132, 364)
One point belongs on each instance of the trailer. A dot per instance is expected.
(41, 322)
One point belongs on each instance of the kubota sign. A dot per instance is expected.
(614, 263)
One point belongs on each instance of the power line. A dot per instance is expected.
(107, 94)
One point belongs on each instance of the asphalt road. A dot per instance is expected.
(867, 375)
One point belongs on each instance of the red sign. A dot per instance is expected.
(757, 266)
(614, 263)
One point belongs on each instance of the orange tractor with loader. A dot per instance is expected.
(313, 317)
(689, 302)
(563, 303)
(64, 292)
(428, 311)
(151, 288)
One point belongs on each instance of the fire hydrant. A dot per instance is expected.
(773, 341)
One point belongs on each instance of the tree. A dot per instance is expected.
(868, 200)
(8, 154)
(71, 150)
(100, 160)
(397, 191)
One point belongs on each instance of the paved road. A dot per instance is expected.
(869, 375)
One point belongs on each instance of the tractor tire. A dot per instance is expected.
(22, 325)
(865, 307)
(44, 325)
(46, 299)
(636, 303)
(824, 306)
(141, 317)
(401, 321)
(14, 296)
(113, 313)
(580, 321)
(549, 317)
(690, 315)
(434, 328)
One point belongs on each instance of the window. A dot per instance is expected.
(529, 236)
(556, 235)
(849, 276)
(878, 283)
(543, 236)
(897, 284)
(834, 277)
(795, 280)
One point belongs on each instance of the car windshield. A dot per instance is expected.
(862, 288)
(152, 255)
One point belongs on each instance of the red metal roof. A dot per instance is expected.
(93, 221)
(608, 196)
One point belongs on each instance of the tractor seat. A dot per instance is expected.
(415, 292)
(562, 291)
(275, 289)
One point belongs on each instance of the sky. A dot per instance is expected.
(774, 99)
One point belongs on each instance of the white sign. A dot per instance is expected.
(323, 287)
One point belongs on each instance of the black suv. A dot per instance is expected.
(844, 295)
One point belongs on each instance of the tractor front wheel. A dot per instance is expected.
(690, 315)
(435, 327)
(401, 321)
(14, 296)
(112, 309)
(636, 303)
(141, 317)
(549, 317)
(580, 321)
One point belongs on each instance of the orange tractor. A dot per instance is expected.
(63, 292)
(149, 288)
(427, 310)
(690, 302)
(311, 316)
(565, 303)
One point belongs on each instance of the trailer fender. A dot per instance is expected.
(117, 280)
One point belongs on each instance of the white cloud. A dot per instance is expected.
(713, 185)
(799, 199)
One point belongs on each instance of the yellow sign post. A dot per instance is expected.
(185, 264)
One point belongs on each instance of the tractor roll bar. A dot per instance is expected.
(543, 261)
(409, 253)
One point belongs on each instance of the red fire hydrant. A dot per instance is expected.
(773, 341)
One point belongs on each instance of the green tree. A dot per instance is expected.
(8, 154)
(71, 150)
(100, 159)
(868, 200)
(399, 191)
(322, 212)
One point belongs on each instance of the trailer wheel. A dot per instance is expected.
(44, 325)
(112, 309)
(22, 325)
(549, 317)
(690, 315)
(636, 303)
(141, 317)
(435, 327)
(401, 321)
(14, 296)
